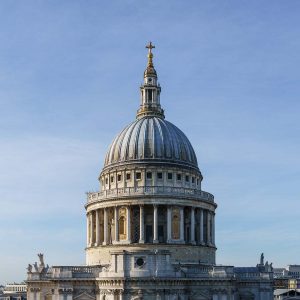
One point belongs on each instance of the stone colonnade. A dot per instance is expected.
(150, 224)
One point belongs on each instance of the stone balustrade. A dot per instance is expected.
(191, 270)
(149, 190)
(75, 271)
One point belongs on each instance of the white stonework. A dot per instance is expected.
(151, 227)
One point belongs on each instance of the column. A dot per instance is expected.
(116, 215)
(128, 231)
(169, 224)
(87, 230)
(181, 224)
(192, 229)
(105, 226)
(142, 229)
(208, 227)
(155, 224)
(92, 229)
(97, 228)
(201, 238)
(100, 227)
(213, 228)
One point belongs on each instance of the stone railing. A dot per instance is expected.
(195, 270)
(149, 191)
(74, 272)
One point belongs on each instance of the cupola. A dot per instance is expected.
(150, 90)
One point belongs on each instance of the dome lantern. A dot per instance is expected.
(150, 90)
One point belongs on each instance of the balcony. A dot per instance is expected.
(149, 191)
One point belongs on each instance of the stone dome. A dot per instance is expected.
(151, 139)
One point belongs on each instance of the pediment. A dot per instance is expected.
(200, 295)
(84, 296)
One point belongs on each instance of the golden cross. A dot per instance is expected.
(150, 47)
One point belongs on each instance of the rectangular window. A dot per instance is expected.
(193, 179)
(197, 181)
(138, 175)
(112, 179)
(149, 175)
(106, 180)
(159, 175)
(178, 177)
(119, 177)
(187, 178)
(128, 176)
(170, 176)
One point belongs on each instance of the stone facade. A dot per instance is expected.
(151, 227)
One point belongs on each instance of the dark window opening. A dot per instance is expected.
(138, 175)
(178, 176)
(159, 175)
(150, 95)
(128, 176)
(193, 179)
(119, 177)
(170, 176)
(140, 262)
(112, 179)
(149, 234)
(187, 178)
(149, 175)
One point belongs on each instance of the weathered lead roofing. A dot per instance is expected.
(151, 139)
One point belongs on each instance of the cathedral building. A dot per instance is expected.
(150, 227)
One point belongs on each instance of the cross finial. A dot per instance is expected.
(150, 46)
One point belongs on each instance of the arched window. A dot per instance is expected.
(122, 226)
(122, 223)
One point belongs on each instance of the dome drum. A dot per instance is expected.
(150, 176)
(144, 225)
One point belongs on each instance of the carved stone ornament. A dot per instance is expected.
(65, 290)
(29, 268)
(84, 294)
(36, 268)
(41, 258)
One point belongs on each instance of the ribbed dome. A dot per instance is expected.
(151, 139)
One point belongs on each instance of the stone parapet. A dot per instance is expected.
(149, 191)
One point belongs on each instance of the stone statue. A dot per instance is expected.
(41, 258)
(36, 268)
(267, 266)
(262, 257)
(29, 268)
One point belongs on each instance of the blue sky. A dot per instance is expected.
(69, 82)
